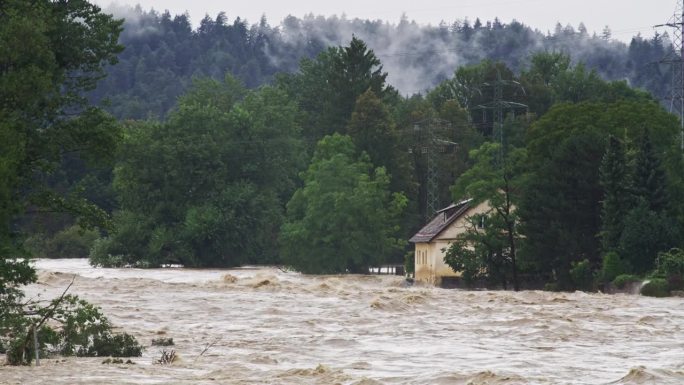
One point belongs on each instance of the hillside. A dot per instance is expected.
(163, 53)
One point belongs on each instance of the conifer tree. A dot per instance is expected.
(649, 181)
(615, 204)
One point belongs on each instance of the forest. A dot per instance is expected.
(163, 53)
(144, 142)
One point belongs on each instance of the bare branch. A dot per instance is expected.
(55, 304)
(207, 348)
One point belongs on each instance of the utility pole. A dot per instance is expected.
(430, 145)
(675, 59)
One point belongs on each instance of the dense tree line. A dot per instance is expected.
(590, 180)
(206, 187)
(163, 53)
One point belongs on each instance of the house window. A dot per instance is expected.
(481, 222)
(422, 257)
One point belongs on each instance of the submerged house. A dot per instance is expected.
(434, 238)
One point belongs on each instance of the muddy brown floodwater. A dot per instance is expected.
(265, 326)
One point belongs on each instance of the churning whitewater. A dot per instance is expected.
(267, 326)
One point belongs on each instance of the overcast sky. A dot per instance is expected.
(625, 17)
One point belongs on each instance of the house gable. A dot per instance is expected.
(433, 240)
(444, 218)
(461, 224)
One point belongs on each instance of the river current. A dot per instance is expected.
(267, 326)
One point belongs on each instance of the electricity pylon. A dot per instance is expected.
(675, 59)
(432, 146)
(498, 106)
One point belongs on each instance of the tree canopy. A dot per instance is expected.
(344, 218)
(561, 207)
(51, 54)
(207, 187)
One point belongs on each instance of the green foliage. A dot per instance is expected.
(75, 327)
(72, 242)
(81, 322)
(327, 88)
(645, 234)
(481, 254)
(656, 287)
(670, 263)
(670, 266)
(466, 87)
(470, 263)
(126, 247)
(582, 275)
(561, 204)
(208, 187)
(616, 201)
(622, 280)
(552, 286)
(648, 181)
(496, 177)
(374, 132)
(410, 262)
(613, 267)
(13, 275)
(118, 345)
(344, 218)
(447, 120)
(541, 77)
(51, 53)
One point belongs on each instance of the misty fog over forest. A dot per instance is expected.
(163, 52)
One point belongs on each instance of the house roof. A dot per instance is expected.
(441, 221)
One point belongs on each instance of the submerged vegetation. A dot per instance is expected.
(326, 168)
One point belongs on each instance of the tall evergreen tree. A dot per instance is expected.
(646, 233)
(372, 129)
(649, 182)
(615, 203)
(327, 88)
(561, 208)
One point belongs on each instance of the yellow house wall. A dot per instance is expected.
(422, 265)
(429, 257)
(461, 224)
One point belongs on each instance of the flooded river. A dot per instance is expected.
(266, 326)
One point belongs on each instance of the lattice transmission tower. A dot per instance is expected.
(500, 107)
(432, 146)
(675, 59)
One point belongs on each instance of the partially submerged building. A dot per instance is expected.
(433, 240)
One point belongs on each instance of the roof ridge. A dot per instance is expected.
(433, 228)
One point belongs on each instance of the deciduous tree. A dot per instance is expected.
(344, 218)
(495, 178)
